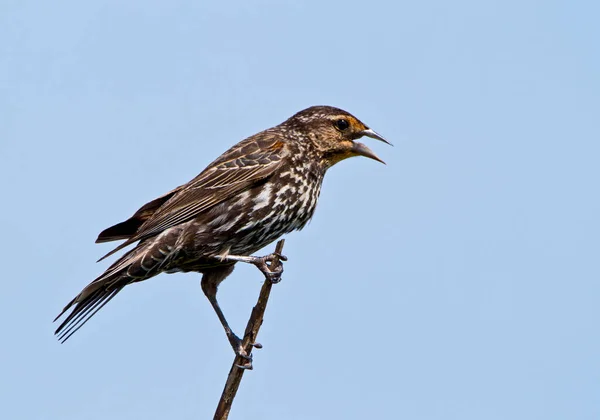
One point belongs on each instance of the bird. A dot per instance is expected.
(263, 187)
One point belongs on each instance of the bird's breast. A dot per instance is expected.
(258, 216)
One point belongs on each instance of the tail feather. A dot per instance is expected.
(141, 263)
(85, 309)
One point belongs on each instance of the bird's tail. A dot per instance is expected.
(141, 263)
(93, 297)
(84, 308)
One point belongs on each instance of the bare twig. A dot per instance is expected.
(256, 318)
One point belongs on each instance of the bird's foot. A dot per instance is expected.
(264, 264)
(247, 360)
(239, 350)
(267, 266)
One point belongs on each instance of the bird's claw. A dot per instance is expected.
(265, 265)
(278, 256)
(247, 358)
(239, 350)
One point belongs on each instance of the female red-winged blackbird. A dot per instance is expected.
(263, 187)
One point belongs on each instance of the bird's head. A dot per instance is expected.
(334, 133)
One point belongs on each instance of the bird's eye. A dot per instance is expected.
(342, 124)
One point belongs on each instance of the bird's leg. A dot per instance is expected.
(264, 264)
(210, 282)
(234, 340)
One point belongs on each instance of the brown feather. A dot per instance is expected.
(241, 167)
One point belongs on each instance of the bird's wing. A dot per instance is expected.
(238, 169)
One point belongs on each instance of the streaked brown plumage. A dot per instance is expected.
(263, 187)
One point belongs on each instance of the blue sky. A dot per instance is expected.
(460, 281)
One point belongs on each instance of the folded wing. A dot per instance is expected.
(238, 169)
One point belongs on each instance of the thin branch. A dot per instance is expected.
(256, 318)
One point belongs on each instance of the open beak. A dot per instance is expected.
(370, 133)
(362, 150)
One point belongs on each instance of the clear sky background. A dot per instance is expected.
(460, 281)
